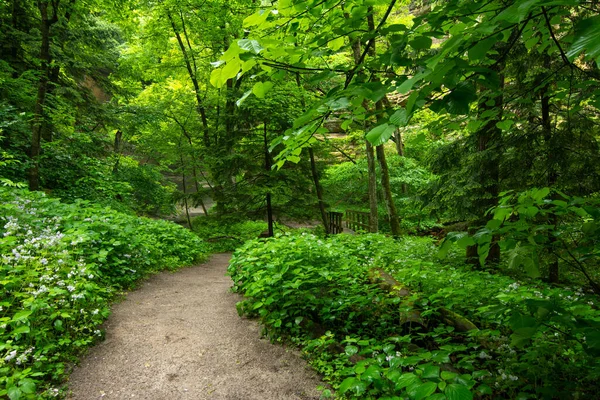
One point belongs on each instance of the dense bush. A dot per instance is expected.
(60, 266)
(531, 341)
(223, 235)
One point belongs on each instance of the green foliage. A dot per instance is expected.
(316, 292)
(539, 227)
(225, 234)
(61, 265)
(346, 186)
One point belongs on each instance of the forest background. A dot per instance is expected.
(475, 122)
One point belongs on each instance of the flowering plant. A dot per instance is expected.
(60, 264)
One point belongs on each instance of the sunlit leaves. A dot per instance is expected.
(420, 43)
(250, 45)
(261, 88)
(400, 118)
(219, 76)
(256, 19)
(587, 39)
(381, 134)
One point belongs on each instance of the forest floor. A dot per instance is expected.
(179, 337)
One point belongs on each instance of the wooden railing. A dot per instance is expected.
(335, 222)
(357, 220)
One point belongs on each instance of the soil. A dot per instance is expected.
(179, 337)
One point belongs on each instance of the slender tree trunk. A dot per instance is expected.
(18, 23)
(117, 150)
(319, 189)
(385, 175)
(194, 165)
(488, 169)
(268, 170)
(315, 175)
(371, 168)
(184, 186)
(399, 142)
(387, 190)
(38, 114)
(185, 198)
(187, 58)
(197, 185)
(372, 174)
(400, 150)
(553, 271)
(385, 179)
(46, 128)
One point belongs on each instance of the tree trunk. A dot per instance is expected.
(38, 114)
(553, 272)
(18, 24)
(268, 170)
(400, 150)
(488, 169)
(385, 180)
(192, 74)
(387, 190)
(117, 150)
(185, 198)
(46, 128)
(373, 214)
(399, 142)
(371, 168)
(319, 189)
(315, 174)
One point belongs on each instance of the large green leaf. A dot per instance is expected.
(14, 393)
(257, 18)
(431, 372)
(219, 76)
(459, 100)
(420, 43)
(250, 45)
(380, 134)
(524, 327)
(400, 118)
(587, 38)
(458, 392)
(406, 380)
(353, 385)
(482, 47)
(27, 385)
(261, 88)
(373, 373)
(422, 391)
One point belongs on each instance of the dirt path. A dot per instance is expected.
(179, 337)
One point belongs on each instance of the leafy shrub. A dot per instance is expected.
(60, 266)
(538, 228)
(132, 187)
(531, 341)
(226, 235)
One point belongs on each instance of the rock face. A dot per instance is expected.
(179, 337)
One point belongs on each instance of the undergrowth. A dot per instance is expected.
(60, 266)
(224, 235)
(530, 340)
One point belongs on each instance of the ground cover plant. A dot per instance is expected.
(60, 266)
(526, 339)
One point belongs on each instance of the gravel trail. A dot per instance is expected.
(179, 337)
